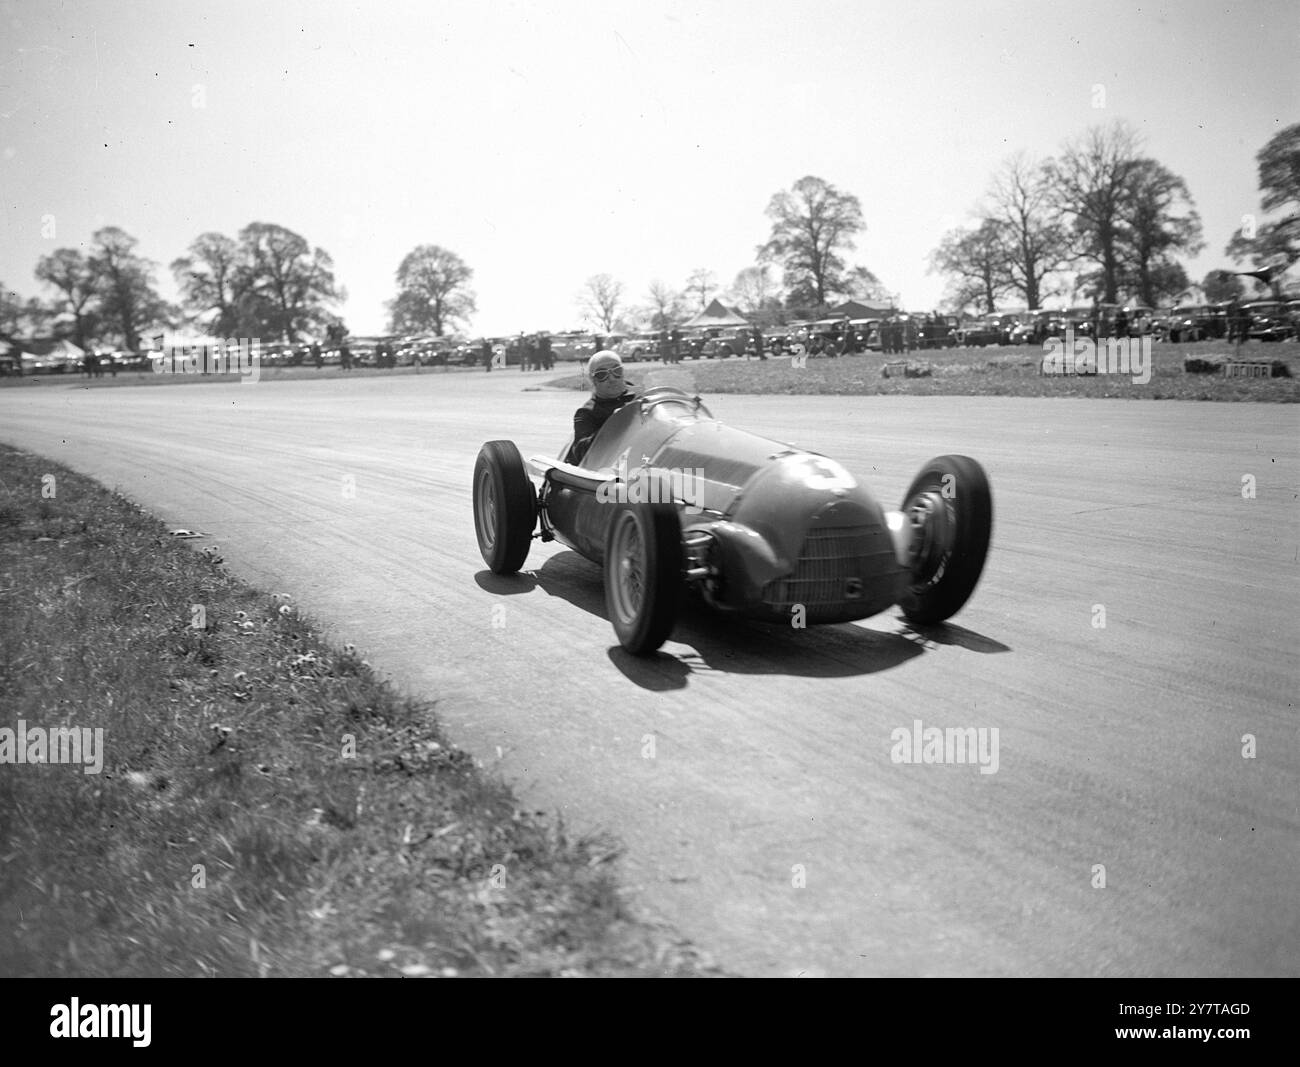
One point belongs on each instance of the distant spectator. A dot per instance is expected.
(1243, 324)
(1121, 322)
(317, 356)
(675, 339)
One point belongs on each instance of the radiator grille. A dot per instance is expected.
(839, 571)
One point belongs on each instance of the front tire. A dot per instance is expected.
(643, 574)
(505, 507)
(950, 507)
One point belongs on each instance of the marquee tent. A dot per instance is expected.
(716, 314)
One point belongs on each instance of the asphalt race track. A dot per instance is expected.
(771, 825)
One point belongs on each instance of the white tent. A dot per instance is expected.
(716, 314)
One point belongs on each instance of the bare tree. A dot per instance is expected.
(702, 284)
(600, 300)
(1020, 200)
(665, 305)
(975, 263)
(755, 289)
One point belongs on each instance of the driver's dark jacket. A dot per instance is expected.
(591, 417)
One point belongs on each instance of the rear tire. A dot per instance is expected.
(505, 507)
(643, 574)
(950, 507)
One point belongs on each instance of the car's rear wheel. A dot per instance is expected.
(643, 574)
(950, 507)
(505, 507)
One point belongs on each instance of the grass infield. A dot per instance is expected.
(1002, 371)
(266, 805)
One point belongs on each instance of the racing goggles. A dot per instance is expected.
(605, 375)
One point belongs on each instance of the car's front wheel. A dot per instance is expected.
(950, 508)
(643, 573)
(505, 507)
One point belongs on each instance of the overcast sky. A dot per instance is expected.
(546, 142)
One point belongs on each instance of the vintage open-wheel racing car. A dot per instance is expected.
(668, 499)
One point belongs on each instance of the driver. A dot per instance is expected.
(609, 393)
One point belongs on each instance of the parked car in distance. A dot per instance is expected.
(640, 347)
(1269, 321)
(1193, 322)
(977, 333)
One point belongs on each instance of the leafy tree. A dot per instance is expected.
(862, 284)
(285, 287)
(1271, 247)
(1020, 201)
(433, 292)
(600, 300)
(1279, 169)
(1275, 246)
(11, 312)
(209, 277)
(74, 276)
(813, 225)
(1091, 183)
(128, 299)
(1159, 223)
(1221, 286)
(975, 262)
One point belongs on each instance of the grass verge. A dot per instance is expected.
(1003, 371)
(266, 805)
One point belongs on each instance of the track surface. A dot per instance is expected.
(1119, 746)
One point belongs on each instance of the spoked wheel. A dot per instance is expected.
(643, 574)
(505, 507)
(950, 508)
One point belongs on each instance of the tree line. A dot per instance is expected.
(804, 264)
(1102, 214)
(1114, 218)
(1101, 211)
(266, 282)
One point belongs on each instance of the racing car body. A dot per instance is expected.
(668, 498)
